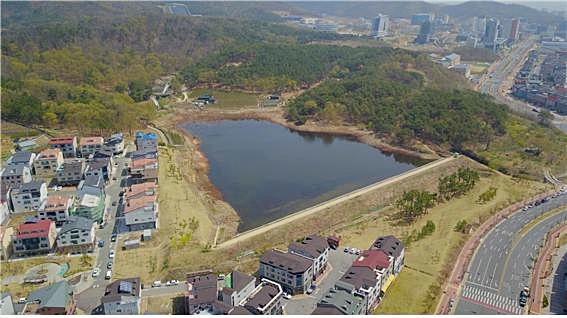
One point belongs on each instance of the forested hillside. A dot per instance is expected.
(83, 72)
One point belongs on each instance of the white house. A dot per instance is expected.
(55, 208)
(48, 161)
(28, 197)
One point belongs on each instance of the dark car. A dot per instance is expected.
(113, 238)
(101, 243)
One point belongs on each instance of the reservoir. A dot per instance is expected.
(267, 171)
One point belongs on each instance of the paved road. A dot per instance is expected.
(90, 298)
(502, 264)
(305, 304)
(321, 206)
(503, 72)
(558, 284)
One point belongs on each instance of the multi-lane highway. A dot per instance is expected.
(502, 264)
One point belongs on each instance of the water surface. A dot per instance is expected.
(266, 171)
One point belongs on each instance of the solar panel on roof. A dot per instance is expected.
(125, 287)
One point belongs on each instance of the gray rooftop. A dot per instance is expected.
(98, 163)
(74, 165)
(288, 262)
(389, 244)
(76, 223)
(94, 181)
(263, 296)
(20, 157)
(240, 280)
(342, 301)
(312, 245)
(358, 277)
(16, 170)
(56, 295)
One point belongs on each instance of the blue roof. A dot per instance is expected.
(146, 136)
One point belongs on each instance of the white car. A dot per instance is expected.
(286, 296)
(157, 283)
(111, 254)
(96, 272)
(173, 282)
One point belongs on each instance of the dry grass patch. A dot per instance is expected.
(430, 255)
(161, 305)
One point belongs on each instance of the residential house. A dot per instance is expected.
(93, 185)
(77, 234)
(90, 145)
(265, 299)
(362, 282)
(392, 246)
(114, 144)
(314, 248)
(141, 213)
(90, 206)
(34, 237)
(48, 162)
(55, 208)
(72, 171)
(140, 190)
(103, 154)
(99, 166)
(21, 157)
(55, 299)
(68, 146)
(28, 197)
(6, 305)
(463, 69)
(144, 153)
(368, 277)
(293, 272)
(340, 302)
(123, 297)
(145, 139)
(238, 286)
(26, 145)
(6, 248)
(201, 293)
(15, 175)
(144, 169)
(5, 203)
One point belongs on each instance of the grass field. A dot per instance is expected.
(508, 151)
(10, 132)
(160, 305)
(426, 259)
(226, 99)
(479, 68)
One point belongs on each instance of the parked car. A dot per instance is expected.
(113, 238)
(96, 272)
(108, 275)
(111, 254)
(109, 265)
(157, 283)
(221, 277)
(22, 300)
(310, 290)
(114, 203)
(100, 243)
(173, 282)
(286, 296)
(346, 249)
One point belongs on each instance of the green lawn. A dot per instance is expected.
(227, 99)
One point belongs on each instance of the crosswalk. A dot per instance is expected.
(491, 299)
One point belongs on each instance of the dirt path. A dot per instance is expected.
(321, 206)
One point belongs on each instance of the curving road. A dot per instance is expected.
(501, 266)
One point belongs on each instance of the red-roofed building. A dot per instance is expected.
(141, 213)
(68, 145)
(34, 237)
(90, 145)
(140, 190)
(144, 169)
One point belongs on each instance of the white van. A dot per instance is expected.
(108, 275)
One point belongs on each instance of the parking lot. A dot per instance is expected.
(339, 262)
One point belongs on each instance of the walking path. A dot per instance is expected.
(321, 206)
(543, 268)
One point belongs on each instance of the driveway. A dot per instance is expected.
(339, 262)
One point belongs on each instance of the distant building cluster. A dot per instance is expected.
(542, 79)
